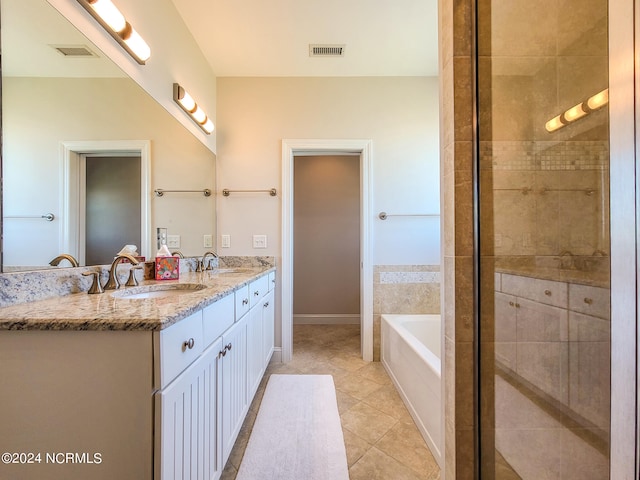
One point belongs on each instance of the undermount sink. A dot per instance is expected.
(158, 291)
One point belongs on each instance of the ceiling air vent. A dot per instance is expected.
(74, 50)
(319, 50)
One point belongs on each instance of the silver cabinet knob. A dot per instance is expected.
(189, 344)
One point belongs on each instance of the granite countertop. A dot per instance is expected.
(81, 311)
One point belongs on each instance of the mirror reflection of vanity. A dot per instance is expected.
(57, 112)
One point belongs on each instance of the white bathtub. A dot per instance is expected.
(411, 355)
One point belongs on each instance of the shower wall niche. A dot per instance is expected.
(543, 152)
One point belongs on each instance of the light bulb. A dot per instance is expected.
(137, 45)
(187, 102)
(554, 124)
(199, 115)
(574, 113)
(208, 126)
(109, 13)
(598, 100)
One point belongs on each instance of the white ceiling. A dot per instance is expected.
(272, 37)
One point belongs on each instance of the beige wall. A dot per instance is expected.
(326, 232)
(39, 113)
(398, 114)
(175, 56)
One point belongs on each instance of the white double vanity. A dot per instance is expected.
(105, 387)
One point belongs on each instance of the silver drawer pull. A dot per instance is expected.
(222, 353)
(245, 301)
(266, 304)
(511, 304)
(256, 293)
(547, 293)
(588, 301)
(228, 346)
(189, 344)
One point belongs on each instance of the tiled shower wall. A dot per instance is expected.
(403, 289)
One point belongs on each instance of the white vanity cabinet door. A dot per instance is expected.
(268, 327)
(272, 281)
(234, 384)
(188, 422)
(255, 356)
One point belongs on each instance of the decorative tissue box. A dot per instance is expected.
(167, 268)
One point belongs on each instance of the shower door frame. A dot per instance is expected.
(624, 200)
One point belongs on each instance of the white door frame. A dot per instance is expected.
(72, 188)
(290, 148)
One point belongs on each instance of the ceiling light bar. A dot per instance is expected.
(578, 111)
(108, 15)
(188, 104)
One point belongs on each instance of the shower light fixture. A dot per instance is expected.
(188, 104)
(108, 15)
(578, 111)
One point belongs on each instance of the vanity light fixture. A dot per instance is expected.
(578, 111)
(108, 15)
(188, 104)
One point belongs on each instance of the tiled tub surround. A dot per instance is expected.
(403, 289)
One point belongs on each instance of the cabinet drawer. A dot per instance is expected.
(590, 300)
(216, 318)
(258, 289)
(178, 346)
(272, 281)
(543, 291)
(242, 301)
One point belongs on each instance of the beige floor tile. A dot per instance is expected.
(367, 422)
(356, 447)
(375, 372)
(229, 473)
(376, 465)
(345, 401)
(404, 443)
(356, 386)
(387, 400)
(347, 362)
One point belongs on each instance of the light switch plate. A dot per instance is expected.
(226, 241)
(259, 241)
(207, 241)
(173, 241)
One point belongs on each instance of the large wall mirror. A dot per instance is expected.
(83, 150)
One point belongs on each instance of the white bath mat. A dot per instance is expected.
(297, 433)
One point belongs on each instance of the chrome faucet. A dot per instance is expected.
(113, 283)
(201, 267)
(64, 256)
(177, 253)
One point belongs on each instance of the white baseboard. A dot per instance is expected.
(326, 319)
(276, 356)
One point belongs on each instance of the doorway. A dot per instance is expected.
(362, 149)
(72, 224)
(326, 239)
(111, 207)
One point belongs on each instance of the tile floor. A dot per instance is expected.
(382, 442)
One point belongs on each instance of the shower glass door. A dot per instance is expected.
(543, 130)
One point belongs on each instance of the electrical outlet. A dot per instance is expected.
(207, 241)
(226, 241)
(259, 241)
(173, 241)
